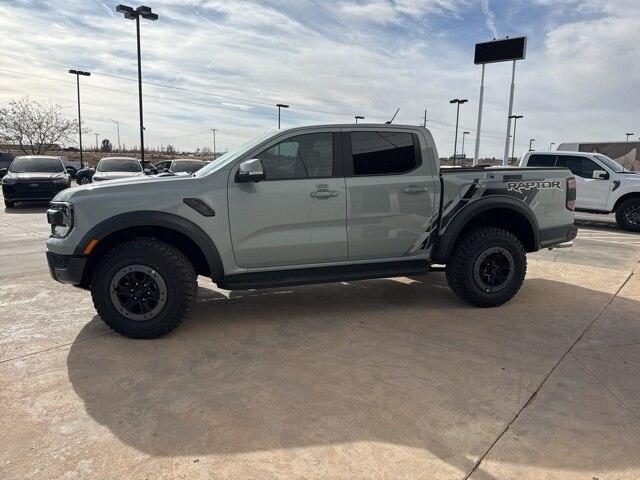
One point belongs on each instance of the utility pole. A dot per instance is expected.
(214, 142)
(531, 144)
(77, 73)
(505, 159)
(424, 123)
(551, 145)
(118, 130)
(96, 134)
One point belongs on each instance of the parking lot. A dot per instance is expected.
(375, 379)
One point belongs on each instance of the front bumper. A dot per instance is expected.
(557, 235)
(66, 268)
(22, 191)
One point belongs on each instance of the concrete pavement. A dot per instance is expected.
(390, 378)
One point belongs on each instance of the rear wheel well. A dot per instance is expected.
(179, 240)
(506, 218)
(625, 197)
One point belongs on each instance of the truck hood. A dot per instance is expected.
(139, 184)
(115, 175)
(35, 176)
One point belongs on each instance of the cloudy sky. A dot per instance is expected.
(224, 64)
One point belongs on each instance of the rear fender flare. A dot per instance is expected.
(446, 242)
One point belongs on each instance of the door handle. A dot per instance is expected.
(324, 193)
(414, 189)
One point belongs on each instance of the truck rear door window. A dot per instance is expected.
(302, 156)
(383, 153)
(537, 160)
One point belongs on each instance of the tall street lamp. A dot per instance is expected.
(359, 117)
(77, 73)
(531, 140)
(629, 135)
(118, 130)
(464, 134)
(515, 122)
(214, 142)
(280, 105)
(131, 14)
(455, 143)
(551, 145)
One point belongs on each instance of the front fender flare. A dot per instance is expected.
(157, 219)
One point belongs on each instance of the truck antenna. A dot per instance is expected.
(392, 118)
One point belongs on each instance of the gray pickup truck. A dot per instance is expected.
(306, 205)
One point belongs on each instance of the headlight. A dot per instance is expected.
(60, 216)
(8, 181)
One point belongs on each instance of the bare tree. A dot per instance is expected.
(34, 126)
(171, 150)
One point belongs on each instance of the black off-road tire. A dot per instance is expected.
(176, 272)
(622, 213)
(9, 204)
(461, 264)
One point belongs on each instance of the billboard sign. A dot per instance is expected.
(500, 50)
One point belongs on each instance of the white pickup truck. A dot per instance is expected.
(603, 185)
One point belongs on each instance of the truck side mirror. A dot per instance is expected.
(250, 171)
(600, 175)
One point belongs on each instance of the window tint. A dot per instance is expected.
(537, 160)
(303, 156)
(119, 165)
(380, 153)
(581, 166)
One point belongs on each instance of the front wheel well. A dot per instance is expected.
(177, 239)
(507, 219)
(624, 198)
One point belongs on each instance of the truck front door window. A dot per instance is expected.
(303, 156)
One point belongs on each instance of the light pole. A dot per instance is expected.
(424, 122)
(629, 135)
(531, 140)
(358, 117)
(280, 105)
(455, 143)
(464, 134)
(515, 123)
(77, 73)
(214, 143)
(551, 145)
(96, 134)
(118, 130)
(131, 14)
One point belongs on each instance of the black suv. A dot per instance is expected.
(33, 178)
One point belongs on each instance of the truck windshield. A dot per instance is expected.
(119, 165)
(36, 164)
(612, 164)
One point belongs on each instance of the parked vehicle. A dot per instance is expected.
(603, 185)
(33, 178)
(111, 168)
(305, 205)
(185, 165)
(626, 154)
(5, 160)
(85, 175)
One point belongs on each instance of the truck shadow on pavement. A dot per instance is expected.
(384, 361)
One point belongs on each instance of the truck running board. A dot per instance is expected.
(306, 276)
